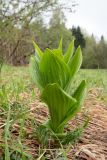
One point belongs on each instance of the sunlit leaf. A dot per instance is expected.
(69, 53)
(59, 103)
(37, 50)
(58, 51)
(79, 95)
(35, 72)
(74, 65)
(53, 69)
(60, 45)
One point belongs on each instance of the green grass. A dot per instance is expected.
(16, 80)
(14, 109)
(95, 77)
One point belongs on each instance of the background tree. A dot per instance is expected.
(79, 37)
(17, 21)
(90, 53)
(57, 29)
(102, 53)
(22, 21)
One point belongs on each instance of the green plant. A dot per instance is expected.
(53, 73)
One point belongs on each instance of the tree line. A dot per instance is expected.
(22, 22)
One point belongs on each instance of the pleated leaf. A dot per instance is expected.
(74, 65)
(60, 45)
(79, 95)
(69, 53)
(59, 103)
(75, 62)
(53, 69)
(35, 72)
(37, 50)
(80, 92)
(58, 51)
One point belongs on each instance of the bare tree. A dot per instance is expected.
(15, 19)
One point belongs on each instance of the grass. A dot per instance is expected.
(17, 94)
(96, 78)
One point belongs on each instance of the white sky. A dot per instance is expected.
(91, 15)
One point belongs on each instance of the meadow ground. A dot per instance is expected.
(21, 110)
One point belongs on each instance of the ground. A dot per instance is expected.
(21, 110)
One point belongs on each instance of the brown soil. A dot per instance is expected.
(93, 144)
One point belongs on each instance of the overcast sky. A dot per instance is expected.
(90, 15)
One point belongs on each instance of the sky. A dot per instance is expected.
(91, 15)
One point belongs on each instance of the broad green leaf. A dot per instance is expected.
(37, 50)
(58, 51)
(69, 53)
(79, 96)
(60, 45)
(35, 72)
(75, 62)
(80, 92)
(59, 103)
(74, 65)
(53, 69)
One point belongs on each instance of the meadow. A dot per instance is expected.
(19, 77)
(18, 115)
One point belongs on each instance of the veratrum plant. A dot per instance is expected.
(53, 72)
